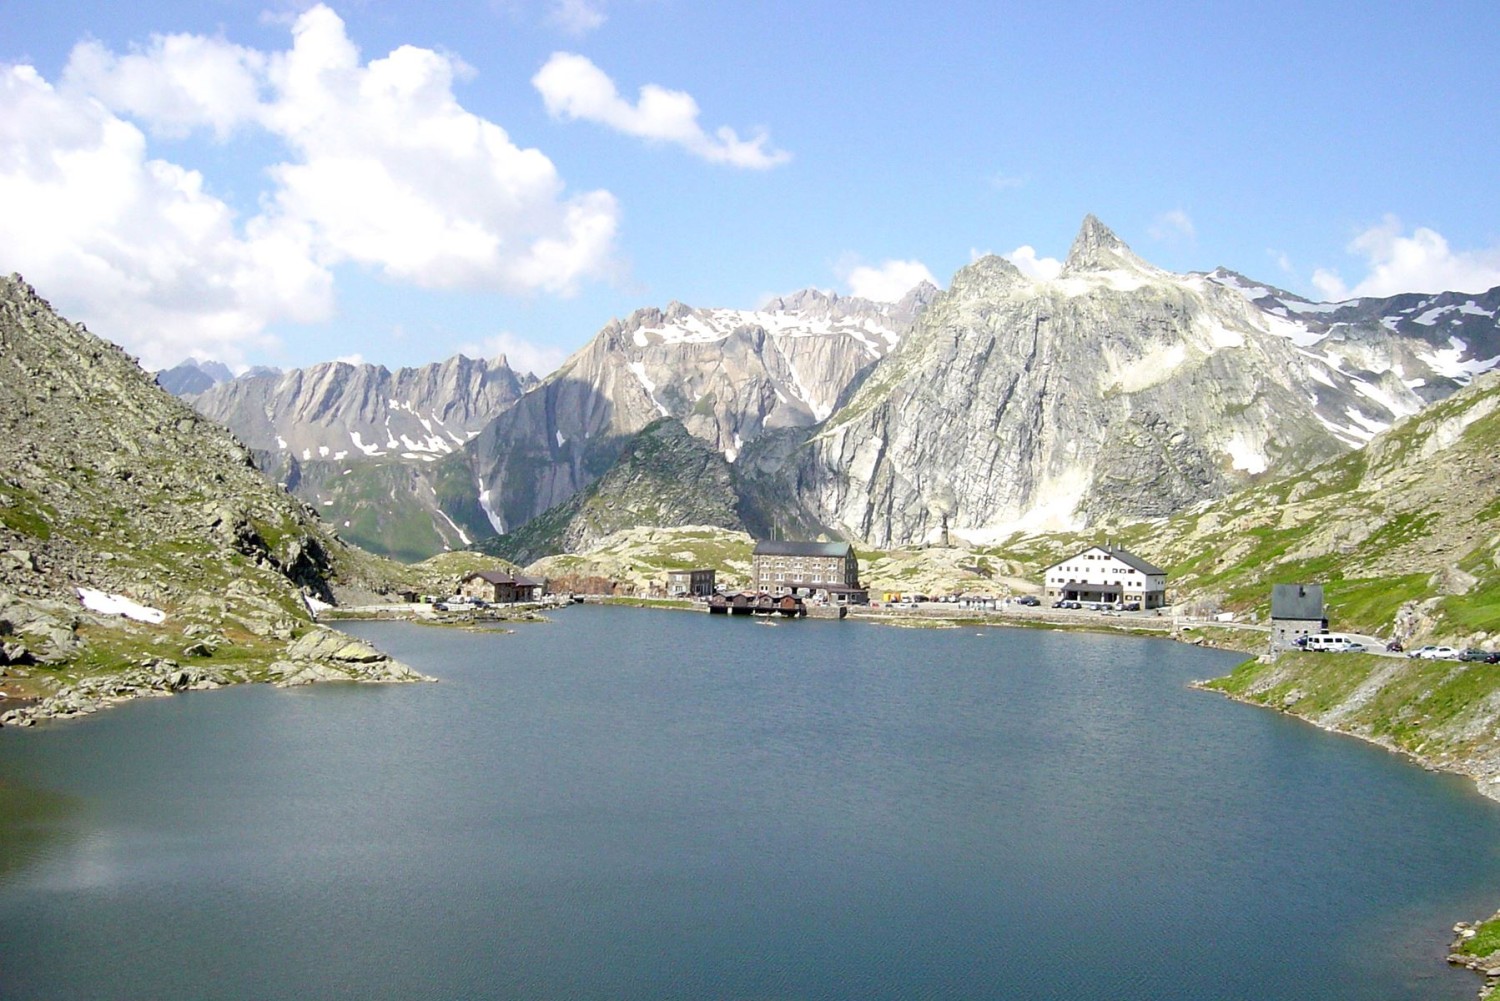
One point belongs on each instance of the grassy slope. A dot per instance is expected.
(1442, 712)
(1413, 520)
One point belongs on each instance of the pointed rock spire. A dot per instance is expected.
(1096, 248)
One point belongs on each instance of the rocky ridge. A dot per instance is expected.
(132, 529)
(339, 411)
(729, 376)
(1114, 392)
(664, 476)
(1436, 343)
(354, 440)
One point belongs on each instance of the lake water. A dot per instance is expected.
(627, 804)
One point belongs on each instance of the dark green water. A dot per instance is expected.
(635, 805)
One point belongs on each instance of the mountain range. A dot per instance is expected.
(1112, 392)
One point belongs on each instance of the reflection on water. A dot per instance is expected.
(34, 823)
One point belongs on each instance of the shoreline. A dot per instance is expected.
(321, 655)
(1487, 785)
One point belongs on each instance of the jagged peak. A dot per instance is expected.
(989, 271)
(919, 297)
(1097, 248)
(800, 300)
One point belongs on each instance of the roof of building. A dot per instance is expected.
(1125, 556)
(504, 577)
(673, 573)
(1297, 601)
(773, 547)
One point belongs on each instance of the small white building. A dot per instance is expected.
(1107, 573)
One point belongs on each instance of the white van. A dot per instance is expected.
(1332, 643)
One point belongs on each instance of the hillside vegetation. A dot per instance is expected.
(1404, 534)
(1440, 711)
(116, 496)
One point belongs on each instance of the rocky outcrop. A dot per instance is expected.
(664, 476)
(126, 519)
(321, 655)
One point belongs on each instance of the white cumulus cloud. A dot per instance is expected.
(177, 84)
(1421, 262)
(573, 88)
(459, 204)
(379, 166)
(887, 282)
(136, 246)
(1024, 258)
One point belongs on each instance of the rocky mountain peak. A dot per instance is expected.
(193, 376)
(1097, 248)
(918, 299)
(800, 300)
(988, 276)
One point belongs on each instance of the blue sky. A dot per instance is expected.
(290, 183)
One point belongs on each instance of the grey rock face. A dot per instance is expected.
(192, 377)
(1115, 391)
(664, 476)
(341, 411)
(728, 375)
(1434, 343)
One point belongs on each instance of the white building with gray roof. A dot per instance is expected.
(1107, 573)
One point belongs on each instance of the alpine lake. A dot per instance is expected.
(630, 804)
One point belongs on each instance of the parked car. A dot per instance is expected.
(1132, 606)
(1326, 643)
(1029, 600)
(1394, 646)
(1431, 652)
(1475, 655)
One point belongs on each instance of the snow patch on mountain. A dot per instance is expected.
(116, 604)
(1450, 361)
(486, 505)
(1246, 455)
(368, 449)
(639, 370)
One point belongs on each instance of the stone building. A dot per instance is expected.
(500, 586)
(690, 583)
(829, 568)
(1296, 611)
